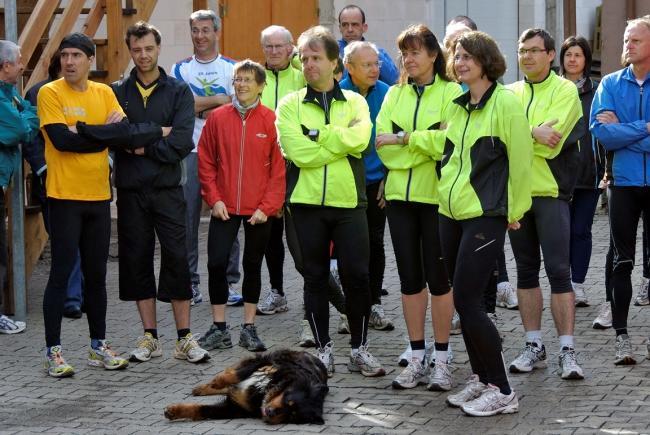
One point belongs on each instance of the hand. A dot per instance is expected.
(547, 135)
(514, 226)
(381, 199)
(443, 126)
(166, 131)
(280, 213)
(73, 128)
(139, 151)
(113, 117)
(354, 122)
(219, 211)
(386, 139)
(258, 217)
(607, 117)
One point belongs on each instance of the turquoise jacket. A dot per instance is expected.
(18, 123)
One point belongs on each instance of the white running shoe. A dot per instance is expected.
(570, 369)
(413, 375)
(455, 324)
(507, 296)
(473, 389)
(580, 295)
(440, 378)
(532, 357)
(491, 402)
(642, 297)
(604, 318)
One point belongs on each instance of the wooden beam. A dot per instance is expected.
(94, 18)
(115, 33)
(630, 9)
(35, 27)
(199, 4)
(65, 26)
(569, 7)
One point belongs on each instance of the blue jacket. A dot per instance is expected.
(629, 139)
(375, 170)
(388, 72)
(18, 123)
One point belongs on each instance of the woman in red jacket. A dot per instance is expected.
(242, 179)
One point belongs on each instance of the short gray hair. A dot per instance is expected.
(355, 46)
(8, 51)
(206, 14)
(272, 30)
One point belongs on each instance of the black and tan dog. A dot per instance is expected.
(280, 387)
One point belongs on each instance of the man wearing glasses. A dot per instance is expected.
(352, 24)
(554, 113)
(361, 59)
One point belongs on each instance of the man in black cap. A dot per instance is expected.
(79, 195)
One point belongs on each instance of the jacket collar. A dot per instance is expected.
(278, 71)
(337, 94)
(463, 99)
(550, 78)
(629, 75)
(355, 88)
(133, 75)
(415, 86)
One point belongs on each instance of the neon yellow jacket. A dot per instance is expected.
(279, 84)
(487, 158)
(412, 174)
(554, 169)
(327, 171)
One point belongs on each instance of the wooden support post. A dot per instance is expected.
(115, 33)
(38, 22)
(199, 4)
(569, 17)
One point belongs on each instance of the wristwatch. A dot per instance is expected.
(400, 136)
(313, 134)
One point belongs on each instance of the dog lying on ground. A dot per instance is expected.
(279, 387)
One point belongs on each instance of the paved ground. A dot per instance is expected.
(610, 400)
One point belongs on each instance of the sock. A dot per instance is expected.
(248, 324)
(280, 291)
(220, 325)
(182, 333)
(534, 337)
(153, 332)
(566, 341)
(442, 350)
(96, 343)
(621, 331)
(417, 349)
(505, 389)
(354, 351)
(333, 264)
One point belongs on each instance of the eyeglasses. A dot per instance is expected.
(534, 51)
(274, 47)
(463, 57)
(371, 65)
(243, 80)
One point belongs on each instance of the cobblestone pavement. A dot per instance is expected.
(610, 400)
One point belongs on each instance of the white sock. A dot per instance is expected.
(334, 265)
(566, 341)
(534, 337)
(441, 356)
(354, 352)
(419, 354)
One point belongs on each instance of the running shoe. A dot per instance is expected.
(106, 357)
(604, 318)
(532, 357)
(188, 348)
(272, 303)
(146, 347)
(507, 296)
(624, 354)
(491, 402)
(55, 365)
(364, 362)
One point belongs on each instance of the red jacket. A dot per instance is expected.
(240, 162)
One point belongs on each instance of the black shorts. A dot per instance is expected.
(416, 242)
(141, 216)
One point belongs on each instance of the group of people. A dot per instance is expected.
(437, 146)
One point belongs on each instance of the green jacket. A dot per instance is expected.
(279, 84)
(554, 169)
(328, 169)
(412, 174)
(487, 158)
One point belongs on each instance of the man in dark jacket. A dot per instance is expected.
(150, 199)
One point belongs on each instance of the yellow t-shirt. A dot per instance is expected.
(70, 175)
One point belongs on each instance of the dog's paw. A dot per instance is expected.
(200, 390)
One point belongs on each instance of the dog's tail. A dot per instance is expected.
(223, 410)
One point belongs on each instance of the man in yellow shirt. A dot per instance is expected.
(79, 195)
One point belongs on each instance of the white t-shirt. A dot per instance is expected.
(205, 79)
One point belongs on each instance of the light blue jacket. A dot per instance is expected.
(18, 123)
(388, 72)
(628, 139)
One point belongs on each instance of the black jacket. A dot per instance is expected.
(171, 104)
(592, 154)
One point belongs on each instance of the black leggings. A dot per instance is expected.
(414, 232)
(348, 229)
(221, 236)
(84, 227)
(625, 207)
(469, 248)
(275, 254)
(376, 228)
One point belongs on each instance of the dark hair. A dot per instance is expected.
(140, 30)
(549, 42)
(339, 66)
(350, 7)
(576, 41)
(417, 36)
(319, 36)
(485, 52)
(54, 70)
(465, 20)
(248, 65)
